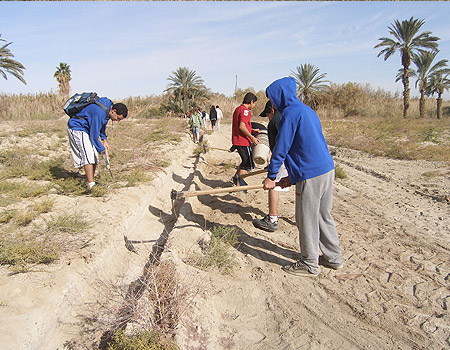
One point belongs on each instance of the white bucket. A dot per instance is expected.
(260, 153)
(261, 150)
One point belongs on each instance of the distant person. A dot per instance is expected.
(204, 119)
(86, 128)
(241, 135)
(270, 221)
(300, 144)
(219, 116)
(196, 121)
(213, 117)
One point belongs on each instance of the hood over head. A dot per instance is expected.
(283, 92)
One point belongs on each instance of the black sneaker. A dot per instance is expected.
(265, 224)
(299, 269)
(326, 263)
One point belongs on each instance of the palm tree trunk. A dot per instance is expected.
(405, 80)
(422, 104)
(439, 106)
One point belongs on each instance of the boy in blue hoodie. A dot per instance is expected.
(85, 131)
(300, 144)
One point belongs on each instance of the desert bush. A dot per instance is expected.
(22, 247)
(22, 251)
(217, 252)
(71, 186)
(198, 150)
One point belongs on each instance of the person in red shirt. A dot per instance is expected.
(241, 135)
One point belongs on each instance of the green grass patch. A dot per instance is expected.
(199, 149)
(140, 340)
(25, 217)
(71, 186)
(21, 247)
(218, 253)
(339, 173)
(162, 135)
(22, 254)
(22, 250)
(228, 166)
(68, 223)
(98, 190)
(432, 174)
(430, 134)
(137, 176)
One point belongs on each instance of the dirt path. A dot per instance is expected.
(394, 291)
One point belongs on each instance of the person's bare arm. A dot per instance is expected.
(247, 133)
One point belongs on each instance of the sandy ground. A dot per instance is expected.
(393, 292)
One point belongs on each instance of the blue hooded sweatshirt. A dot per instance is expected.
(92, 120)
(300, 143)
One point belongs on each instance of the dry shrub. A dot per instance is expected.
(353, 99)
(144, 107)
(141, 315)
(164, 295)
(42, 106)
(396, 138)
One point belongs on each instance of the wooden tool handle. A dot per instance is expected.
(219, 149)
(261, 171)
(220, 190)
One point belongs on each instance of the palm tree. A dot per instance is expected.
(186, 89)
(8, 65)
(63, 77)
(423, 61)
(437, 84)
(309, 83)
(407, 41)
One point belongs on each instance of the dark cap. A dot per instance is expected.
(267, 109)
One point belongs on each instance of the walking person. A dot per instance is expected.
(219, 116)
(86, 128)
(241, 135)
(213, 117)
(270, 221)
(196, 121)
(204, 119)
(300, 144)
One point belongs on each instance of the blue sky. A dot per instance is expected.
(122, 49)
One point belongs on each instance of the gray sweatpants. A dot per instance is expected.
(316, 227)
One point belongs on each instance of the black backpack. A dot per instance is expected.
(77, 102)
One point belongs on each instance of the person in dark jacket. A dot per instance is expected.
(270, 221)
(213, 117)
(300, 144)
(85, 131)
